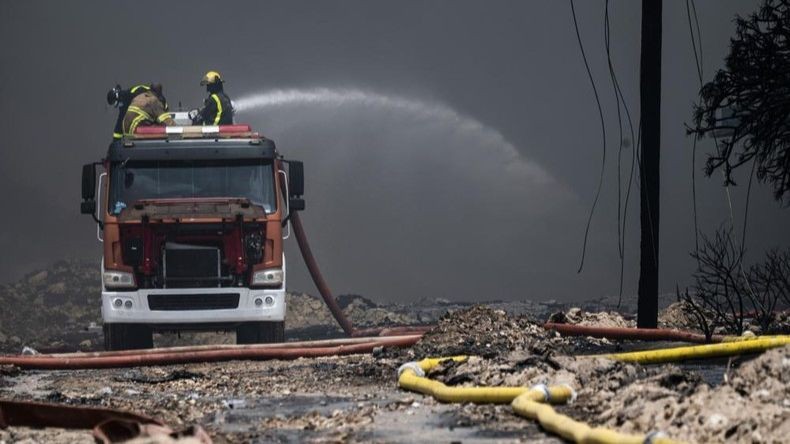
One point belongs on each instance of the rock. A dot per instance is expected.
(577, 316)
(678, 316)
(57, 288)
(38, 278)
(86, 344)
(29, 351)
(378, 352)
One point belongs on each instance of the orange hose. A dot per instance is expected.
(642, 334)
(191, 348)
(165, 357)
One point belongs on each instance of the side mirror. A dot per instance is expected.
(89, 182)
(296, 204)
(295, 178)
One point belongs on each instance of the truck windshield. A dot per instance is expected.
(251, 179)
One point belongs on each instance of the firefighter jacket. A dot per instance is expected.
(146, 109)
(125, 98)
(217, 110)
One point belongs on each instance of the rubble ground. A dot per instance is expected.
(626, 397)
(356, 398)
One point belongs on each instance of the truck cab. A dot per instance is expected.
(192, 221)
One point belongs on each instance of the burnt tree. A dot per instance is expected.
(747, 104)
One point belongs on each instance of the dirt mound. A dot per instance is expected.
(52, 308)
(751, 407)
(306, 311)
(766, 378)
(678, 316)
(597, 319)
(482, 331)
(641, 399)
(513, 351)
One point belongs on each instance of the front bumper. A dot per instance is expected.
(141, 313)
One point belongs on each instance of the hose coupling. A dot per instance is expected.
(654, 436)
(573, 392)
(413, 366)
(543, 388)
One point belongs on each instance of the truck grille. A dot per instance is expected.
(191, 266)
(214, 301)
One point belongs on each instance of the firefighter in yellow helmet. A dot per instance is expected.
(147, 108)
(217, 108)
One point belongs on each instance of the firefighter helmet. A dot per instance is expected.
(211, 78)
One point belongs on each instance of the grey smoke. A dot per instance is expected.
(414, 193)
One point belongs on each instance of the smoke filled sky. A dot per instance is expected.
(452, 148)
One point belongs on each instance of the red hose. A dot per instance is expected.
(642, 334)
(392, 331)
(191, 348)
(165, 357)
(38, 414)
(318, 278)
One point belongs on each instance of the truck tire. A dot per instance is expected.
(260, 332)
(127, 337)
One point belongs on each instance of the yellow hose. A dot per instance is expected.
(531, 402)
(724, 349)
(527, 402)
(428, 364)
(412, 379)
(576, 431)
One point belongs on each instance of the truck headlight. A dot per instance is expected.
(118, 279)
(272, 277)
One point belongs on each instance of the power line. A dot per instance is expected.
(698, 64)
(619, 97)
(603, 136)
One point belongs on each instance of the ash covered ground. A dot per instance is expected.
(356, 398)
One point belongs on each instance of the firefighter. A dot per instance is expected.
(217, 108)
(147, 108)
(121, 98)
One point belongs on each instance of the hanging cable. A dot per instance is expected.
(746, 210)
(622, 208)
(603, 136)
(620, 246)
(698, 64)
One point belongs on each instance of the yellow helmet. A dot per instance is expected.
(211, 78)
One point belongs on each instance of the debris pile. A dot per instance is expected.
(483, 331)
(678, 315)
(598, 319)
(53, 309)
(751, 407)
(308, 312)
(510, 351)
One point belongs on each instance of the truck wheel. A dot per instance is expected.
(127, 337)
(260, 332)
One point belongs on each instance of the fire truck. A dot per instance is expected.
(192, 221)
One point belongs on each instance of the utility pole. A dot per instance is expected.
(650, 117)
